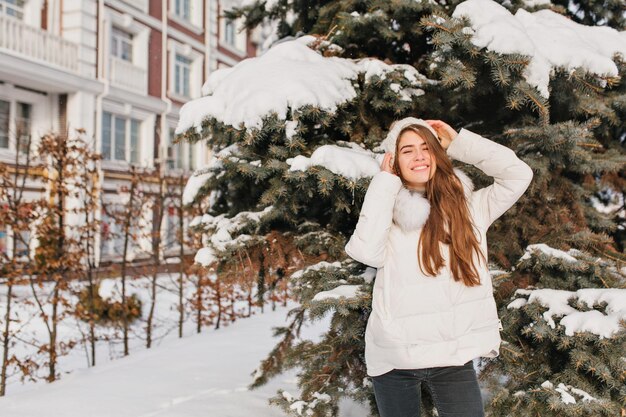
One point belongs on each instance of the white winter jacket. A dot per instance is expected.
(419, 321)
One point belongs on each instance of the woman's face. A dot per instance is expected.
(416, 163)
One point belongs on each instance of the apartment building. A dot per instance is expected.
(121, 70)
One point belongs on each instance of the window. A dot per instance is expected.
(180, 155)
(106, 135)
(3, 230)
(3, 240)
(14, 8)
(174, 153)
(11, 237)
(188, 13)
(171, 235)
(229, 32)
(134, 141)
(111, 234)
(192, 155)
(22, 113)
(120, 138)
(121, 45)
(231, 36)
(182, 9)
(23, 123)
(22, 243)
(182, 71)
(5, 107)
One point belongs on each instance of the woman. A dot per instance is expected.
(424, 227)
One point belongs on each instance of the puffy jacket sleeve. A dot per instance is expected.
(511, 175)
(369, 241)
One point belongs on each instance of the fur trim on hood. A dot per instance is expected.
(411, 208)
(389, 143)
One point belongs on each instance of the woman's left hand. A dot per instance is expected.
(446, 133)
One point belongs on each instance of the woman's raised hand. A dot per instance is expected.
(387, 164)
(444, 131)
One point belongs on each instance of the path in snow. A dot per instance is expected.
(200, 375)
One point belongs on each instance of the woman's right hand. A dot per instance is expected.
(387, 164)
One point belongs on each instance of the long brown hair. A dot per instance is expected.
(449, 221)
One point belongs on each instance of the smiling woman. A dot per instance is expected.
(425, 230)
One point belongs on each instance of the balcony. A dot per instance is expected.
(18, 38)
(127, 76)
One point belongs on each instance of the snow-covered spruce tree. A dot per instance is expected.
(576, 150)
(541, 84)
(563, 346)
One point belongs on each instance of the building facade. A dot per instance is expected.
(119, 69)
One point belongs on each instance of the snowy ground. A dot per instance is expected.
(31, 329)
(199, 375)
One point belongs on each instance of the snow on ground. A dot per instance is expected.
(109, 347)
(199, 375)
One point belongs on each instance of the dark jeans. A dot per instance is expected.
(454, 390)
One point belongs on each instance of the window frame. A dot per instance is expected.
(175, 160)
(231, 37)
(5, 6)
(4, 240)
(180, 157)
(229, 32)
(25, 139)
(5, 134)
(187, 65)
(111, 238)
(195, 60)
(131, 156)
(171, 228)
(14, 120)
(180, 11)
(119, 38)
(191, 156)
(8, 237)
(188, 13)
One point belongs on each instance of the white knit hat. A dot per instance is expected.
(389, 143)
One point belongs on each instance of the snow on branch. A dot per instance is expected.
(566, 392)
(224, 228)
(354, 162)
(604, 324)
(316, 267)
(200, 177)
(549, 251)
(290, 75)
(551, 40)
(194, 183)
(347, 291)
(205, 257)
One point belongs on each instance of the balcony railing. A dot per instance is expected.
(128, 76)
(37, 44)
